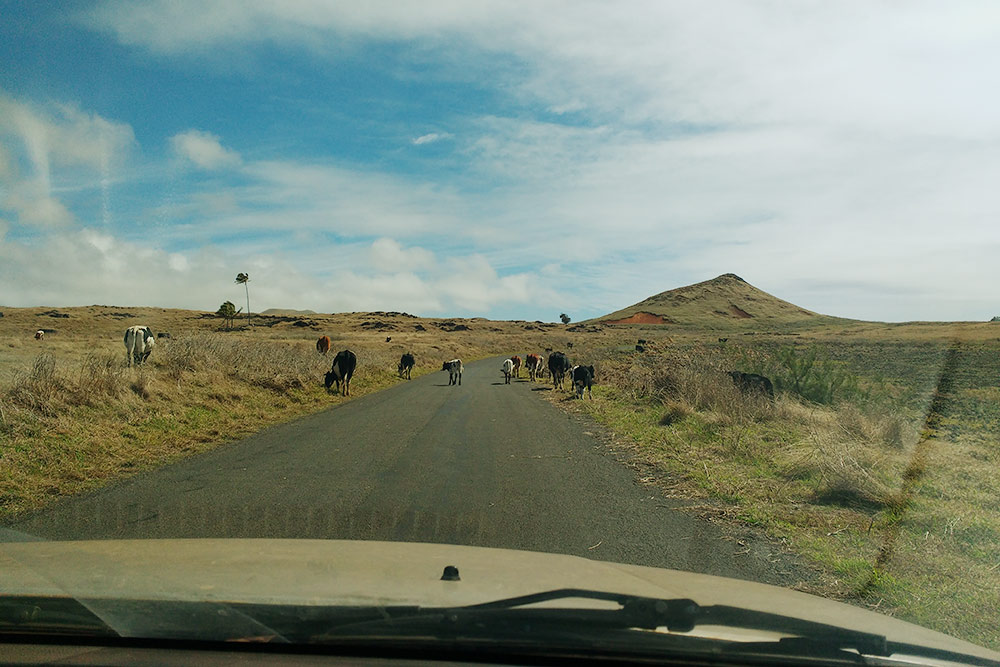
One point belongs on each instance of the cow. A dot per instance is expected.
(39, 334)
(750, 383)
(454, 368)
(640, 348)
(583, 379)
(388, 339)
(723, 340)
(406, 363)
(533, 362)
(341, 371)
(323, 344)
(558, 366)
(139, 341)
(517, 365)
(507, 369)
(163, 334)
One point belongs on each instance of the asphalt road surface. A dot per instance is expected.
(483, 464)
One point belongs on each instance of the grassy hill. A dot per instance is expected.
(725, 302)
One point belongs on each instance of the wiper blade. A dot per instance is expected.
(646, 613)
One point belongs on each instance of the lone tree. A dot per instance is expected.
(227, 311)
(565, 318)
(243, 279)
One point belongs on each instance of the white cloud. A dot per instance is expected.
(389, 256)
(44, 147)
(431, 138)
(204, 150)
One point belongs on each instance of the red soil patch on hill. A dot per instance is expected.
(640, 318)
(738, 312)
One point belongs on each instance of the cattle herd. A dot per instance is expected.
(139, 342)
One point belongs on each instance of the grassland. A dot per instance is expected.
(886, 484)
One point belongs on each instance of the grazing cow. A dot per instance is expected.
(323, 344)
(533, 362)
(517, 365)
(388, 338)
(723, 340)
(508, 370)
(139, 341)
(406, 363)
(454, 368)
(569, 345)
(640, 348)
(39, 334)
(558, 365)
(751, 382)
(341, 371)
(163, 334)
(583, 379)
(641, 341)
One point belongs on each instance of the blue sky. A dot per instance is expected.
(500, 159)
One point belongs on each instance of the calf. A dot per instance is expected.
(517, 365)
(323, 344)
(558, 366)
(341, 371)
(507, 369)
(583, 380)
(454, 368)
(406, 363)
(750, 383)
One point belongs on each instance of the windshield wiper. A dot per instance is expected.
(509, 617)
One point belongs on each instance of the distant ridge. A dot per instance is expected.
(727, 301)
(286, 312)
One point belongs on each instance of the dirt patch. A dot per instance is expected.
(641, 317)
(739, 312)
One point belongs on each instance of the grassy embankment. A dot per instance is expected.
(877, 463)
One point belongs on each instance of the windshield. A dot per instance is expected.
(702, 287)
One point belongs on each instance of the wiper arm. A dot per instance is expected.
(679, 615)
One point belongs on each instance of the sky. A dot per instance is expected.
(511, 160)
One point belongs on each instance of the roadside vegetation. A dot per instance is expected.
(881, 472)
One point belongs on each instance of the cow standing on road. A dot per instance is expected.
(454, 368)
(533, 362)
(517, 365)
(406, 363)
(558, 365)
(341, 371)
(508, 370)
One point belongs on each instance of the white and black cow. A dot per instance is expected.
(508, 370)
(406, 363)
(583, 380)
(341, 371)
(139, 342)
(558, 366)
(454, 368)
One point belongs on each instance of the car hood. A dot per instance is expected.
(341, 572)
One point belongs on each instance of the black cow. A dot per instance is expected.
(406, 363)
(454, 368)
(341, 371)
(583, 379)
(558, 366)
(751, 382)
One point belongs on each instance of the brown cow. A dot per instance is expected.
(533, 362)
(517, 365)
(323, 344)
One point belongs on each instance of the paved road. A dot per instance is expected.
(483, 464)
